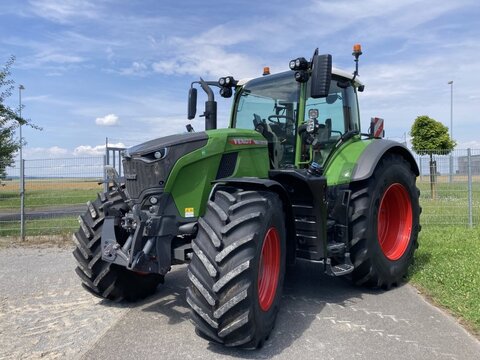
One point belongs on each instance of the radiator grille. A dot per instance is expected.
(140, 175)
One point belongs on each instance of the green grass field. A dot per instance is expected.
(450, 206)
(44, 193)
(447, 271)
(50, 226)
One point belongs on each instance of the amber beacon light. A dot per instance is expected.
(357, 50)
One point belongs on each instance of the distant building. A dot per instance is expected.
(474, 163)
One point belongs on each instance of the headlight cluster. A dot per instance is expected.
(226, 83)
(300, 66)
(155, 155)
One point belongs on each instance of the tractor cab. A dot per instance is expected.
(303, 113)
(299, 128)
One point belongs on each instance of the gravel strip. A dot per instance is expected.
(44, 311)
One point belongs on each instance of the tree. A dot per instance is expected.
(430, 137)
(9, 120)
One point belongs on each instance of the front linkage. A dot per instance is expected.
(147, 247)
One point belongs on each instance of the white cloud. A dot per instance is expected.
(43, 152)
(63, 11)
(87, 150)
(107, 120)
(136, 68)
(207, 60)
(56, 150)
(99, 150)
(57, 58)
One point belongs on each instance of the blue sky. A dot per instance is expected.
(121, 69)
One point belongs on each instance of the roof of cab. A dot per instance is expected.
(335, 71)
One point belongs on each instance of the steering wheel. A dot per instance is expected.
(276, 119)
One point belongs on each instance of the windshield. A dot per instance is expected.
(338, 110)
(270, 105)
(273, 98)
(334, 115)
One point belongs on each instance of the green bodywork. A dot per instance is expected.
(340, 167)
(191, 177)
(190, 180)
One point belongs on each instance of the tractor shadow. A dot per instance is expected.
(307, 292)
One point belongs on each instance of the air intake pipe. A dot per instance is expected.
(210, 107)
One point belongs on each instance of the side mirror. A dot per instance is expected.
(321, 75)
(192, 103)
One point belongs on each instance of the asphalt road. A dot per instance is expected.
(45, 313)
(44, 212)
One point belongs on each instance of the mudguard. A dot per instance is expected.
(368, 160)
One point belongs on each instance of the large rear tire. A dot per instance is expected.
(102, 278)
(238, 266)
(384, 218)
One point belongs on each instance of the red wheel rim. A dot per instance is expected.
(269, 269)
(395, 221)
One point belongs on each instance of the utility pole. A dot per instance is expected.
(22, 169)
(451, 108)
(450, 178)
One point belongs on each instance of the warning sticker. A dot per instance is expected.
(189, 212)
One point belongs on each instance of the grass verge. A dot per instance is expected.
(49, 226)
(447, 271)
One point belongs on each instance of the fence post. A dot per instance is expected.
(433, 178)
(22, 199)
(450, 177)
(469, 167)
(420, 166)
(105, 182)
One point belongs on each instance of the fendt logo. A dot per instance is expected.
(246, 141)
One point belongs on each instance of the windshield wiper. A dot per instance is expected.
(348, 135)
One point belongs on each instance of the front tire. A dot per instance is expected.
(238, 266)
(384, 219)
(102, 278)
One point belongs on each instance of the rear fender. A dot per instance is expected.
(376, 150)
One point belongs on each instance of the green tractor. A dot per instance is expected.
(292, 178)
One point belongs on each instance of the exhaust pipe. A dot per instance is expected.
(210, 107)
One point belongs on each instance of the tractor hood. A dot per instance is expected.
(150, 147)
(148, 165)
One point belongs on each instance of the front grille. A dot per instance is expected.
(140, 175)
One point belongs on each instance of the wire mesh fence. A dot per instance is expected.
(57, 190)
(450, 187)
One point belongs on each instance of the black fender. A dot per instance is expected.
(371, 156)
(278, 188)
